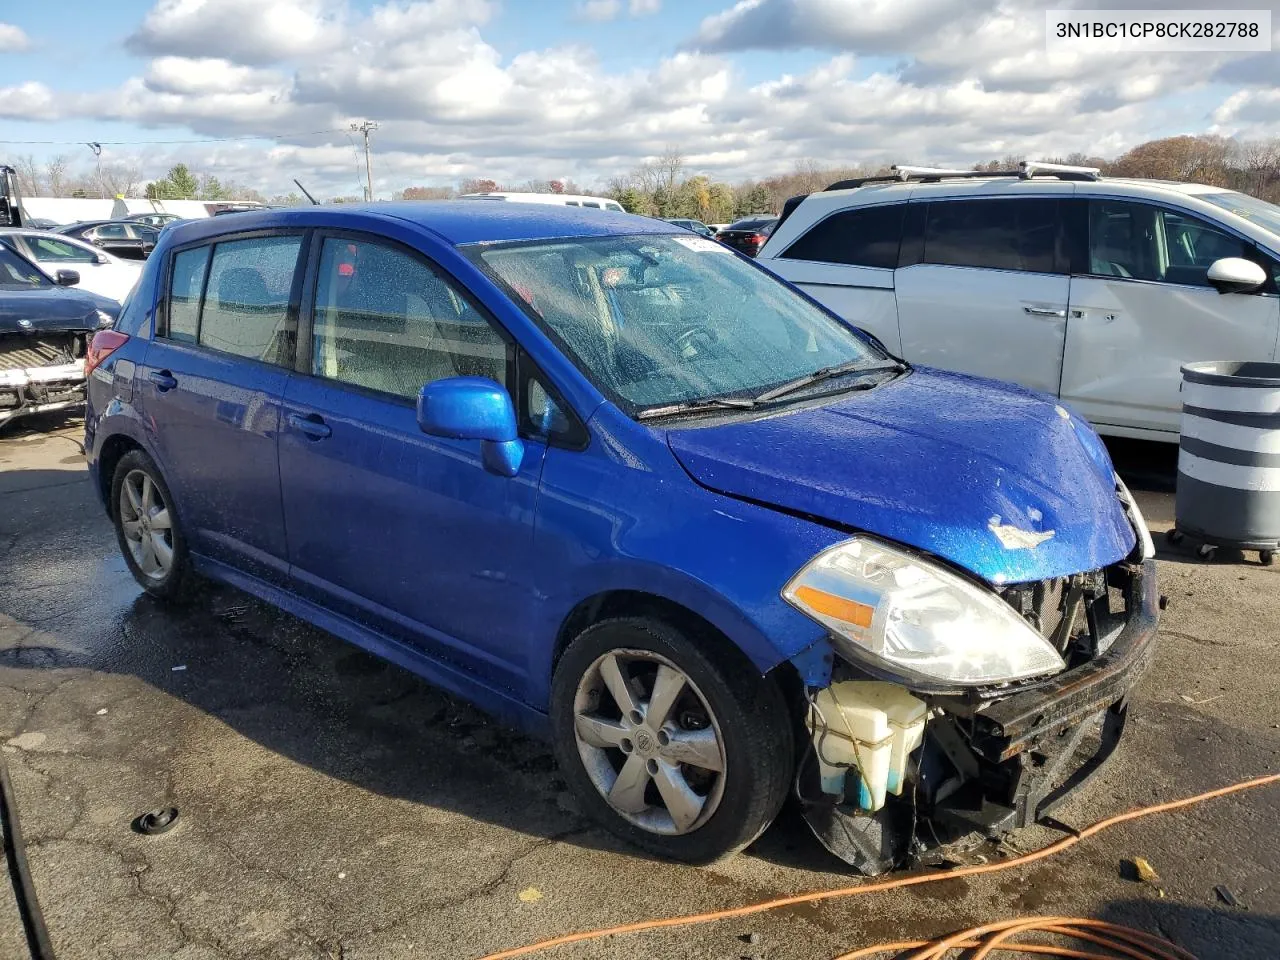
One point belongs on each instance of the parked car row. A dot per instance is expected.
(1091, 289)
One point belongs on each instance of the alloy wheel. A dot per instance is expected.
(147, 525)
(649, 741)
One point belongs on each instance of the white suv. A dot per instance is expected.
(1094, 290)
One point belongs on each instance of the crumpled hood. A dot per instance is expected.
(998, 480)
(56, 310)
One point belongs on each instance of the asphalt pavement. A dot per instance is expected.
(332, 806)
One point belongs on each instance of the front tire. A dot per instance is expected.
(684, 753)
(147, 528)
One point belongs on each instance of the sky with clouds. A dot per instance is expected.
(519, 89)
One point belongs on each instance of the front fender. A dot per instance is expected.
(640, 523)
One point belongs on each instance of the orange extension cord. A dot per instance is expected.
(994, 937)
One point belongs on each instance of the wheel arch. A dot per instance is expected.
(616, 603)
(111, 453)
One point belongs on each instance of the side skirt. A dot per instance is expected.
(501, 704)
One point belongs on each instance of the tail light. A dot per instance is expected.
(756, 239)
(103, 344)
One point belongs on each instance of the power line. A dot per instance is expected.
(140, 143)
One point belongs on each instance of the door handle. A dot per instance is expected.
(312, 424)
(163, 379)
(1045, 312)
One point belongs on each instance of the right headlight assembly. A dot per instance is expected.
(914, 619)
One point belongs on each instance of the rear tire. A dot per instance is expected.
(690, 712)
(148, 528)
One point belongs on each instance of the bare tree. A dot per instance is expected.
(121, 178)
(669, 167)
(55, 174)
(29, 180)
(1259, 164)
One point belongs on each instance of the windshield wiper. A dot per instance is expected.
(700, 403)
(826, 373)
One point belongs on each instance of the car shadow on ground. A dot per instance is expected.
(297, 691)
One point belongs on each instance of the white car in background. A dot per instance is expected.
(100, 272)
(556, 199)
(1092, 289)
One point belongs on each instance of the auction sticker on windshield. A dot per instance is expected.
(702, 244)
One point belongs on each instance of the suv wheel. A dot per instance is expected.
(672, 749)
(147, 527)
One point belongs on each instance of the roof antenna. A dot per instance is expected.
(313, 200)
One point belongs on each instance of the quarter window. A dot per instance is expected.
(386, 321)
(864, 237)
(1009, 234)
(246, 301)
(185, 287)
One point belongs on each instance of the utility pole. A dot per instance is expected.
(97, 153)
(365, 127)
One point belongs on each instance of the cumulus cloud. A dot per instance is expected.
(14, 39)
(246, 31)
(644, 8)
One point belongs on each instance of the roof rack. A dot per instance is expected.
(1025, 171)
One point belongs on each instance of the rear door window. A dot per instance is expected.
(1013, 234)
(186, 284)
(246, 302)
(862, 237)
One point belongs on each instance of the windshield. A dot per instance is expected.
(17, 272)
(1265, 215)
(656, 321)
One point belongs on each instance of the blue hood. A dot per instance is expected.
(969, 470)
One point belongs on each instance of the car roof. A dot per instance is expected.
(455, 221)
(38, 232)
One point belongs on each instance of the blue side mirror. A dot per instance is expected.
(474, 408)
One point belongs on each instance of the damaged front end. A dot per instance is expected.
(41, 371)
(899, 766)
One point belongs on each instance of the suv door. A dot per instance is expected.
(982, 288)
(390, 527)
(846, 261)
(212, 382)
(1141, 306)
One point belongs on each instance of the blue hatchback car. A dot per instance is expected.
(620, 486)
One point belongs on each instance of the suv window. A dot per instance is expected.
(386, 321)
(1145, 242)
(862, 237)
(246, 301)
(1012, 234)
